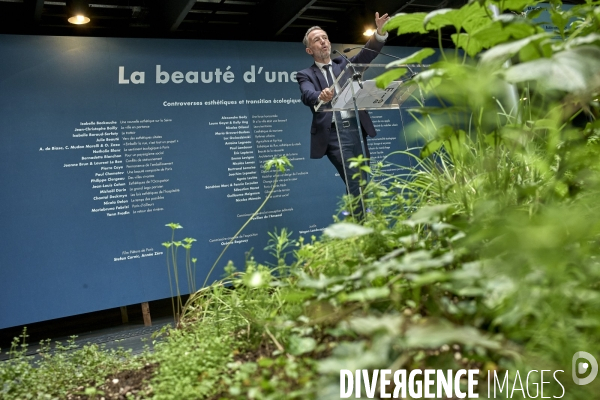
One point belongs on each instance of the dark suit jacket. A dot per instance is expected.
(312, 82)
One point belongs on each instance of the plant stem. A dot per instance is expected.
(242, 228)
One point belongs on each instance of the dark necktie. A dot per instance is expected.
(328, 74)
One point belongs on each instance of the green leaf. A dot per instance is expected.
(465, 41)
(436, 110)
(414, 58)
(321, 283)
(517, 5)
(346, 230)
(431, 147)
(429, 278)
(92, 391)
(406, 23)
(300, 345)
(574, 70)
(503, 52)
(421, 260)
(443, 17)
(265, 362)
(545, 124)
(280, 163)
(372, 324)
(592, 38)
(560, 19)
(296, 296)
(455, 145)
(356, 355)
(469, 272)
(383, 80)
(502, 31)
(534, 14)
(429, 79)
(474, 17)
(445, 132)
(586, 323)
(429, 214)
(435, 334)
(532, 51)
(372, 293)
(469, 17)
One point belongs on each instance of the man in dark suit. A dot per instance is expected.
(315, 83)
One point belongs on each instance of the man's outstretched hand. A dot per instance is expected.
(380, 21)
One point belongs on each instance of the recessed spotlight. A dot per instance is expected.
(369, 32)
(79, 19)
(78, 11)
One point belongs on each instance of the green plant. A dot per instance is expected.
(280, 164)
(59, 369)
(478, 257)
(171, 254)
(280, 245)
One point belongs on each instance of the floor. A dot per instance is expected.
(103, 327)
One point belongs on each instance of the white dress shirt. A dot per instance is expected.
(330, 77)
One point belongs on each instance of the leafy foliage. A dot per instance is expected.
(484, 255)
(59, 369)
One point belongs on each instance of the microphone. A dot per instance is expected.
(356, 75)
(347, 49)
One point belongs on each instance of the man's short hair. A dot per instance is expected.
(312, 28)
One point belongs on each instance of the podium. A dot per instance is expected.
(356, 92)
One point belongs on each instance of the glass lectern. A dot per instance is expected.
(356, 92)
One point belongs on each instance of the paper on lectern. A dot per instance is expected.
(369, 96)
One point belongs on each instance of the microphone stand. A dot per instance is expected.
(347, 49)
(356, 76)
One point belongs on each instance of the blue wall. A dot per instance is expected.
(73, 134)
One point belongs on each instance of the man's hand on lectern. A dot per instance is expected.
(326, 95)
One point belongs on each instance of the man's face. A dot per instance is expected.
(318, 45)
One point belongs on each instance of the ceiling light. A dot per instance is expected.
(77, 10)
(369, 32)
(79, 20)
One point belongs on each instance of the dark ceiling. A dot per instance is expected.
(261, 20)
